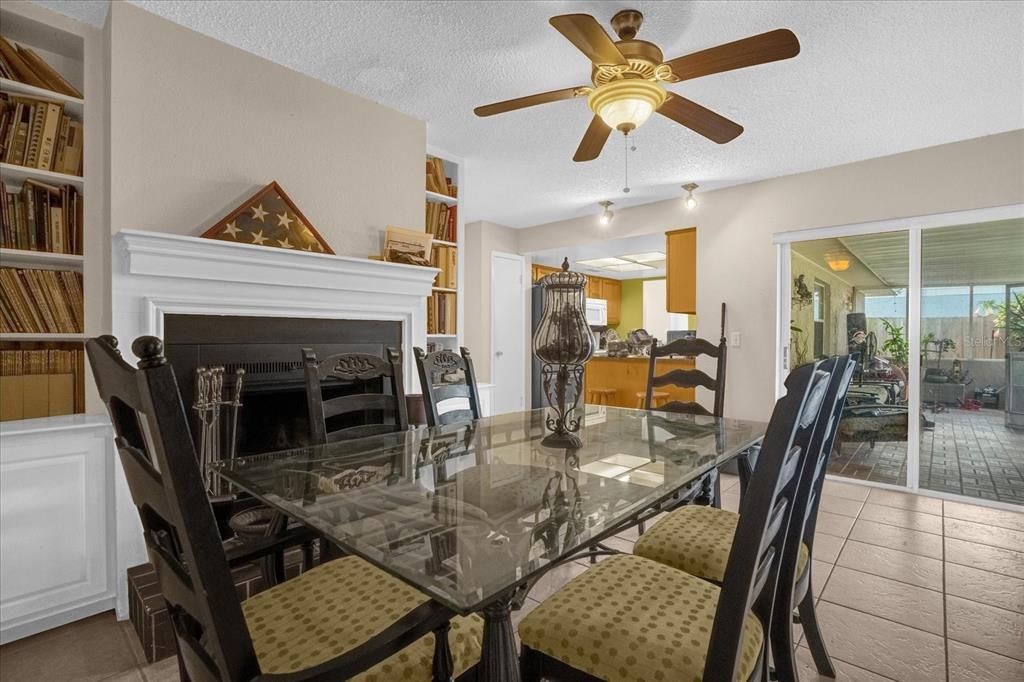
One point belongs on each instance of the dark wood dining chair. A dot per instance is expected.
(632, 618)
(699, 540)
(351, 395)
(796, 572)
(338, 620)
(691, 379)
(447, 375)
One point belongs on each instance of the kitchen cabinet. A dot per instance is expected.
(681, 266)
(628, 376)
(611, 290)
(542, 270)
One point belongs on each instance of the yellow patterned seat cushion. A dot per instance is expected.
(697, 539)
(337, 606)
(629, 619)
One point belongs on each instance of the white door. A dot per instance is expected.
(508, 333)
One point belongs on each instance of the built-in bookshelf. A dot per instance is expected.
(445, 178)
(42, 217)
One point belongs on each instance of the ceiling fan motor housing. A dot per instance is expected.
(626, 23)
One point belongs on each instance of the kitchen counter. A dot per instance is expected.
(628, 376)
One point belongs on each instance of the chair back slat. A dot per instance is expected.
(362, 402)
(686, 378)
(752, 570)
(359, 431)
(440, 380)
(689, 378)
(687, 348)
(450, 391)
(685, 407)
(379, 400)
(159, 461)
(456, 417)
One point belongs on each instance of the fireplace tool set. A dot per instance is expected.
(216, 407)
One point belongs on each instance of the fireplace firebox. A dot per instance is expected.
(273, 413)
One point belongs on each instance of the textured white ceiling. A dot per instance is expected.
(873, 78)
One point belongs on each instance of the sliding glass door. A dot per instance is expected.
(937, 314)
(970, 322)
(850, 295)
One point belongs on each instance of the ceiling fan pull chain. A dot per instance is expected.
(625, 148)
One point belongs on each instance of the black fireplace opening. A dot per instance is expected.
(273, 413)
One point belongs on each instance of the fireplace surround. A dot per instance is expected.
(158, 277)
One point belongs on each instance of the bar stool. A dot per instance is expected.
(658, 398)
(601, 396)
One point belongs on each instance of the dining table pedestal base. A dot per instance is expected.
(499, 658)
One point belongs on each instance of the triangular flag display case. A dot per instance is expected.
(269, 218)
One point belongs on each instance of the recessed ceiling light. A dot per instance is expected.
(647, 257)
(603, 262)
(628, 267)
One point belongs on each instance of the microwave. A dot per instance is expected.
(597, 312)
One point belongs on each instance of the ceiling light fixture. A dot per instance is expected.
(602, 262)
(646, 257)
(626, 104)
(690, 200)
(838, 260)
(607, 214)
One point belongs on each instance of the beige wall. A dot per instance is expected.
(736, 260)
(198, 125)
(481, 240)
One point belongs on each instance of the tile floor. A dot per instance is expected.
(967, 453)
(910, 588)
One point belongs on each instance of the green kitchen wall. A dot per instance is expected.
(631, 314)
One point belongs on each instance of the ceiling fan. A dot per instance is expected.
(629, 75)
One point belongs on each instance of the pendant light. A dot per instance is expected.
(607, 214)
(690, 200)
(838, 260)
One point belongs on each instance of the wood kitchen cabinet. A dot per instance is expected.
(681, 266)
(542, 270)
(611, 290)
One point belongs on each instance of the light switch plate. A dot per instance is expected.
(734, 339)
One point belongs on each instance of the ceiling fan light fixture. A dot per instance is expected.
(607, 214)
(626, 104)
(838, 260)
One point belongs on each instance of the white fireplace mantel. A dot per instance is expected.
(154, 274)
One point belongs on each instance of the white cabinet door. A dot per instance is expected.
(55, 539)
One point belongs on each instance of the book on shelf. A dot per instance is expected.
(437, 181)
(22, 64)
(445, 258)
(441, 221)
(42, 217)
(41, 382)
(40, 301)
(441, 313)
(36, 133)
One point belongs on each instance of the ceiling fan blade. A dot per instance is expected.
(528, 101)
(593, 140)
(760, 49)
(713, 126)
(584, 32)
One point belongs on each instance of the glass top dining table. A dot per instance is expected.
(472, 513)
(465, 511)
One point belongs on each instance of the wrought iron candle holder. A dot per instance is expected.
(563, 342)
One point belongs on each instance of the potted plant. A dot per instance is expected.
(896, 345)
